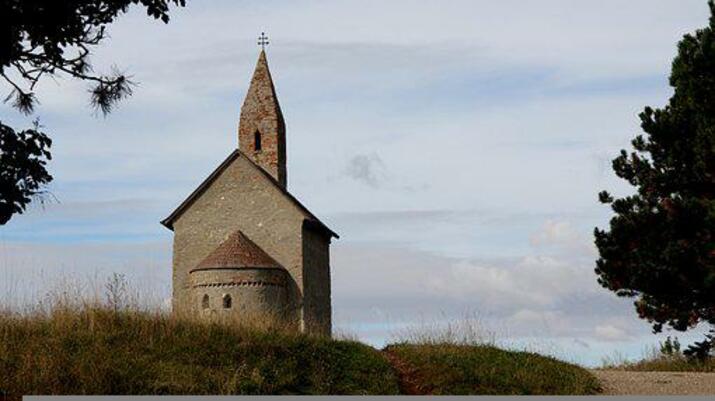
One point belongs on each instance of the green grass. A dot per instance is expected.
(448, 369)
(96, 351)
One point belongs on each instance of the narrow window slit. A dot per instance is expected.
(257, 141)
(205, 301)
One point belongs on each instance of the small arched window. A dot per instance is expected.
(257, 141)
(205, 301)
(227, 301)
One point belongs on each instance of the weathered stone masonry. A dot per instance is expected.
(242, 243)
(261, 129)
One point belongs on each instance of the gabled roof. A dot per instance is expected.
(310, 218)
(238, 251)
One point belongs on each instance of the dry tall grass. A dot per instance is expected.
(466, 330)
(114, 344)
(655, 360)
(110, 341)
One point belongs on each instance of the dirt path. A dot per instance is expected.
(408, 382)
(616, 382)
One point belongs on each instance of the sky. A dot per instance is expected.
(457, 148)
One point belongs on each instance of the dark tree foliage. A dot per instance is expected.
(660, 247)
(40, 38)
(23, 156)
(701, 350)
(46, 37)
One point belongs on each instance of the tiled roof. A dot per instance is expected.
(238, 251)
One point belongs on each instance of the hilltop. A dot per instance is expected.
(102, 351)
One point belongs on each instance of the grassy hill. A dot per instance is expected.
(448, 369)
(100, 351)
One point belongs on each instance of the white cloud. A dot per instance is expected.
(561, 233)
(533, 280)
(555, 232)
(404, 284)
(610, 333)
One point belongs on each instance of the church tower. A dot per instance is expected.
(245, 249)
(261, 129)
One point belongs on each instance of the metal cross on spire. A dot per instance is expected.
(263, 41)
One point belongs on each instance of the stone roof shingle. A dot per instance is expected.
(238, 251)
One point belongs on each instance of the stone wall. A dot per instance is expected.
(240, 198)
(316, 282)
(257, 296)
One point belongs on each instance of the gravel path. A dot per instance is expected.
(616, 382)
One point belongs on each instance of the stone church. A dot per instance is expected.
(244, 247)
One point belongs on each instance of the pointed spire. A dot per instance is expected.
(262, 93)
(261, 130)
(238, 251)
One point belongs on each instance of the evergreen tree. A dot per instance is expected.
(660, 248)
